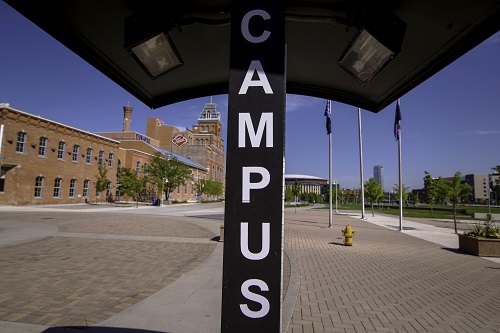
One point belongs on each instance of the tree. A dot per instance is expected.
(441, 189)
(131, 183)
(497, 181)
(209, 187)
(405, 193)
(102, 181)
(167, 173)
(296, 189)
(288, 194)
(296, 192)
(373, 192)
(430, 190)
(456, 192)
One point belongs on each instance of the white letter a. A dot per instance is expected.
(255, 65)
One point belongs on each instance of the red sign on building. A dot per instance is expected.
(179, 140)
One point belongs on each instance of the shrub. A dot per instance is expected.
(486, 229)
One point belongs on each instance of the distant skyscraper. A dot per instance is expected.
(378, 174)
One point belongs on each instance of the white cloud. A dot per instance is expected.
(297, 102)
(481, 132)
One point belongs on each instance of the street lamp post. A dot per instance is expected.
(336, 202)
(165, 181)
(489, 202)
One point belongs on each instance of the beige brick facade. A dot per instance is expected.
(135, 154)
(45, 162)
(204, 141)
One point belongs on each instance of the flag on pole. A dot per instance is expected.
(397, 122)
(328, 114)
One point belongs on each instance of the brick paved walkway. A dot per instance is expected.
(80, 280)
(387, 281)
(94, 265)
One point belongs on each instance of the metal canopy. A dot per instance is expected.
(317, 33)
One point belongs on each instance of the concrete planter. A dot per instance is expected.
(483, 247)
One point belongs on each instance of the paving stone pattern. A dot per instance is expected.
(387, 281)
(58, 281)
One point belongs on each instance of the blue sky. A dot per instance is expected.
(450, 123)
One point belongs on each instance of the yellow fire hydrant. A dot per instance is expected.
(348, 233)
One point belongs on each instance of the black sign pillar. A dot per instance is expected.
(253, 222)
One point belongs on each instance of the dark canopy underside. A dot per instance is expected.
(317, 33)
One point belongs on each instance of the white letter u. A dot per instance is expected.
(265, 242)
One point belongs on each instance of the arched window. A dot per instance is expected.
(101, 158)
(42, 147)
(72, 187)
(86, 185)
(110, 160)
(60, 150)
(138, 167)
(22, 137)
(76, 152)
(39, 182)
(57, 187)
(88, 157)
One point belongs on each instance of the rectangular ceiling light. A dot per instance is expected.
(157, 55)
(365, 57)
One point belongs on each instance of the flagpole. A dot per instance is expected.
(328, 114)
(330, 214)
(361, 166)
(400, 177)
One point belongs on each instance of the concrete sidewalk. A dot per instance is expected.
(388, 281)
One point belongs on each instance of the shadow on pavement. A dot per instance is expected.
(96, 329)
(336, 243)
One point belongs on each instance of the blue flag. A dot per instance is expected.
(328, 114)
(397, 122)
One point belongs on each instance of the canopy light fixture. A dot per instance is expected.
(376, 44)
(157, 55)
(148, 42)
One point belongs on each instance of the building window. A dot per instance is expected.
(39, 187)
(21, 142)
(76, 151)
(72, 187)
(57, 187)
(88, 157)
(86, 185)
(42, 147)
(2, 180)
(101, 158)
(138, 167)
(60, 150)
(110, 160)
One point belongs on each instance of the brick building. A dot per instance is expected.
(45, 162)
(202, 143)
(135, 151)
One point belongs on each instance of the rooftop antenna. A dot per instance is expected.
(211, 99)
